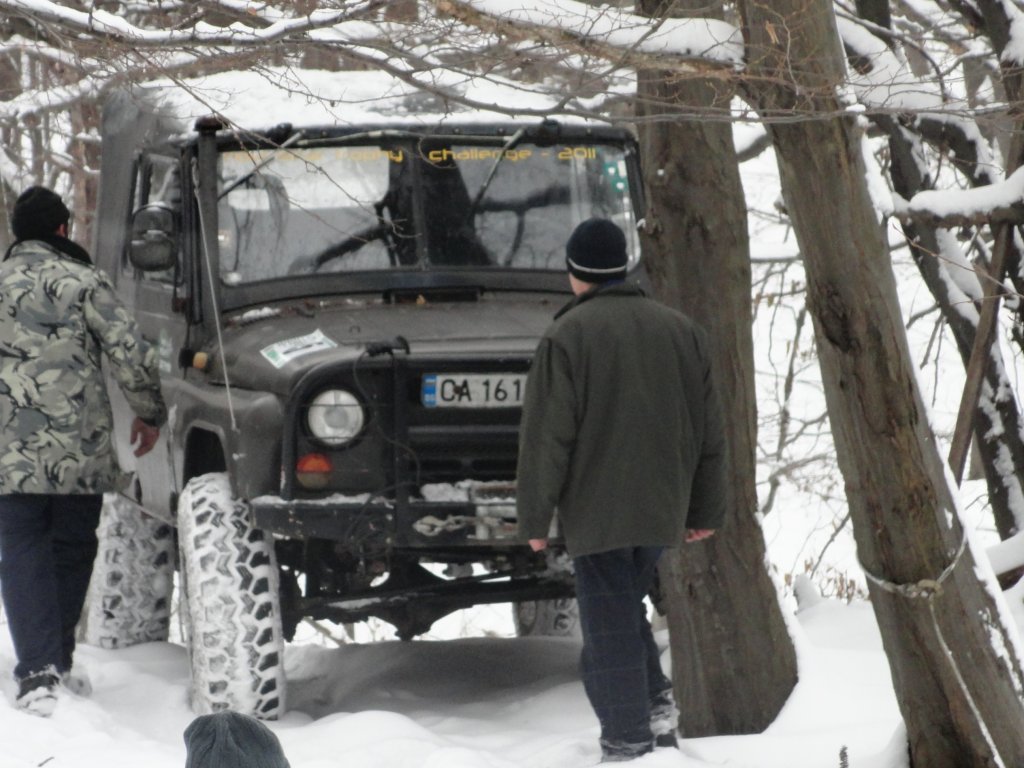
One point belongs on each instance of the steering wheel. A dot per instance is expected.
(352, 244)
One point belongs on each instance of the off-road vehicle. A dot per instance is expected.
(345, 316)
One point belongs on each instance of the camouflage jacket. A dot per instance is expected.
(56, 317)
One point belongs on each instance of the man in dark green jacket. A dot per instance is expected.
(622, 439)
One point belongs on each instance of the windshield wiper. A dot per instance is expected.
(513, 140)
(260, 166)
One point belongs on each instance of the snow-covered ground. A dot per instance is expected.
(486, 701)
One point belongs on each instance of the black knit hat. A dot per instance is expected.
(38, 212)
(231, 740)
(596, 252)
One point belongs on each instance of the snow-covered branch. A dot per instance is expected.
(1002, 202)
(264, 25)
(708, 46)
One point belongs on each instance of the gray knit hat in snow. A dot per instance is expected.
(231, 740)
(596, 252)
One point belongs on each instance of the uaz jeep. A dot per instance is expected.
(345, 316)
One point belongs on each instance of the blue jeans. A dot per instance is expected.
(620, 662)
(47, 548)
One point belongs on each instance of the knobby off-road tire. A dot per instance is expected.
(235, 643)
(547, 618)
(129, 598)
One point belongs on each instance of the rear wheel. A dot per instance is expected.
(547, 618)
(231, 596)
(129, 595)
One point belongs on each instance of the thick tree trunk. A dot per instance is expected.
(953, 661)
(733, 660)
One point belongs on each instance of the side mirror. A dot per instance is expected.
(154, 243)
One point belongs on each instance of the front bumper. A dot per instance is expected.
(477, 520)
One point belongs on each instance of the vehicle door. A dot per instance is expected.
(157, 305)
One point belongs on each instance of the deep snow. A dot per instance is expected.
(488, 701)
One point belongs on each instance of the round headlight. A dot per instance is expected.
(335, 417)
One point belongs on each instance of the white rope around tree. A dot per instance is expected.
(928, 590)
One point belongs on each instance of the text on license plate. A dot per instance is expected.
(473, 390)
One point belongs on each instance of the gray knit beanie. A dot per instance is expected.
(232, 740)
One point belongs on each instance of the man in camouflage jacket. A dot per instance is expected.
(58, 313)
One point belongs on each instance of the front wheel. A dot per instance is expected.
(235, 642)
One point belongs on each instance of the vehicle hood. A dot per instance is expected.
(269, 348)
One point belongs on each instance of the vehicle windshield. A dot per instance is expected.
(426, 203)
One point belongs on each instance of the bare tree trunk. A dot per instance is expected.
(85, 120)
(953, 660)
(997, 421)
(998, 435)
(402, 10)
(9, 86)
(733, 660)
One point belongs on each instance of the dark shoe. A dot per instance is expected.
(666, 741)
(622, 751)
(37, 692)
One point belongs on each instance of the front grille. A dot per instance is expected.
(406, 444)
(453, 444)
(448, 456)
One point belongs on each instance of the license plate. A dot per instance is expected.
(473, 390)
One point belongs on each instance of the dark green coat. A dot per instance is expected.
(621, 430)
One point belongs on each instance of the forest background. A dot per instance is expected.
(895, 127)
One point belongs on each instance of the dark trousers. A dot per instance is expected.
(47, 548)
(620, 661)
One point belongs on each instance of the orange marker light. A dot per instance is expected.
(312, 471)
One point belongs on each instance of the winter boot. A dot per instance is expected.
(621, 751)
(664, 717)
(37, 692)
